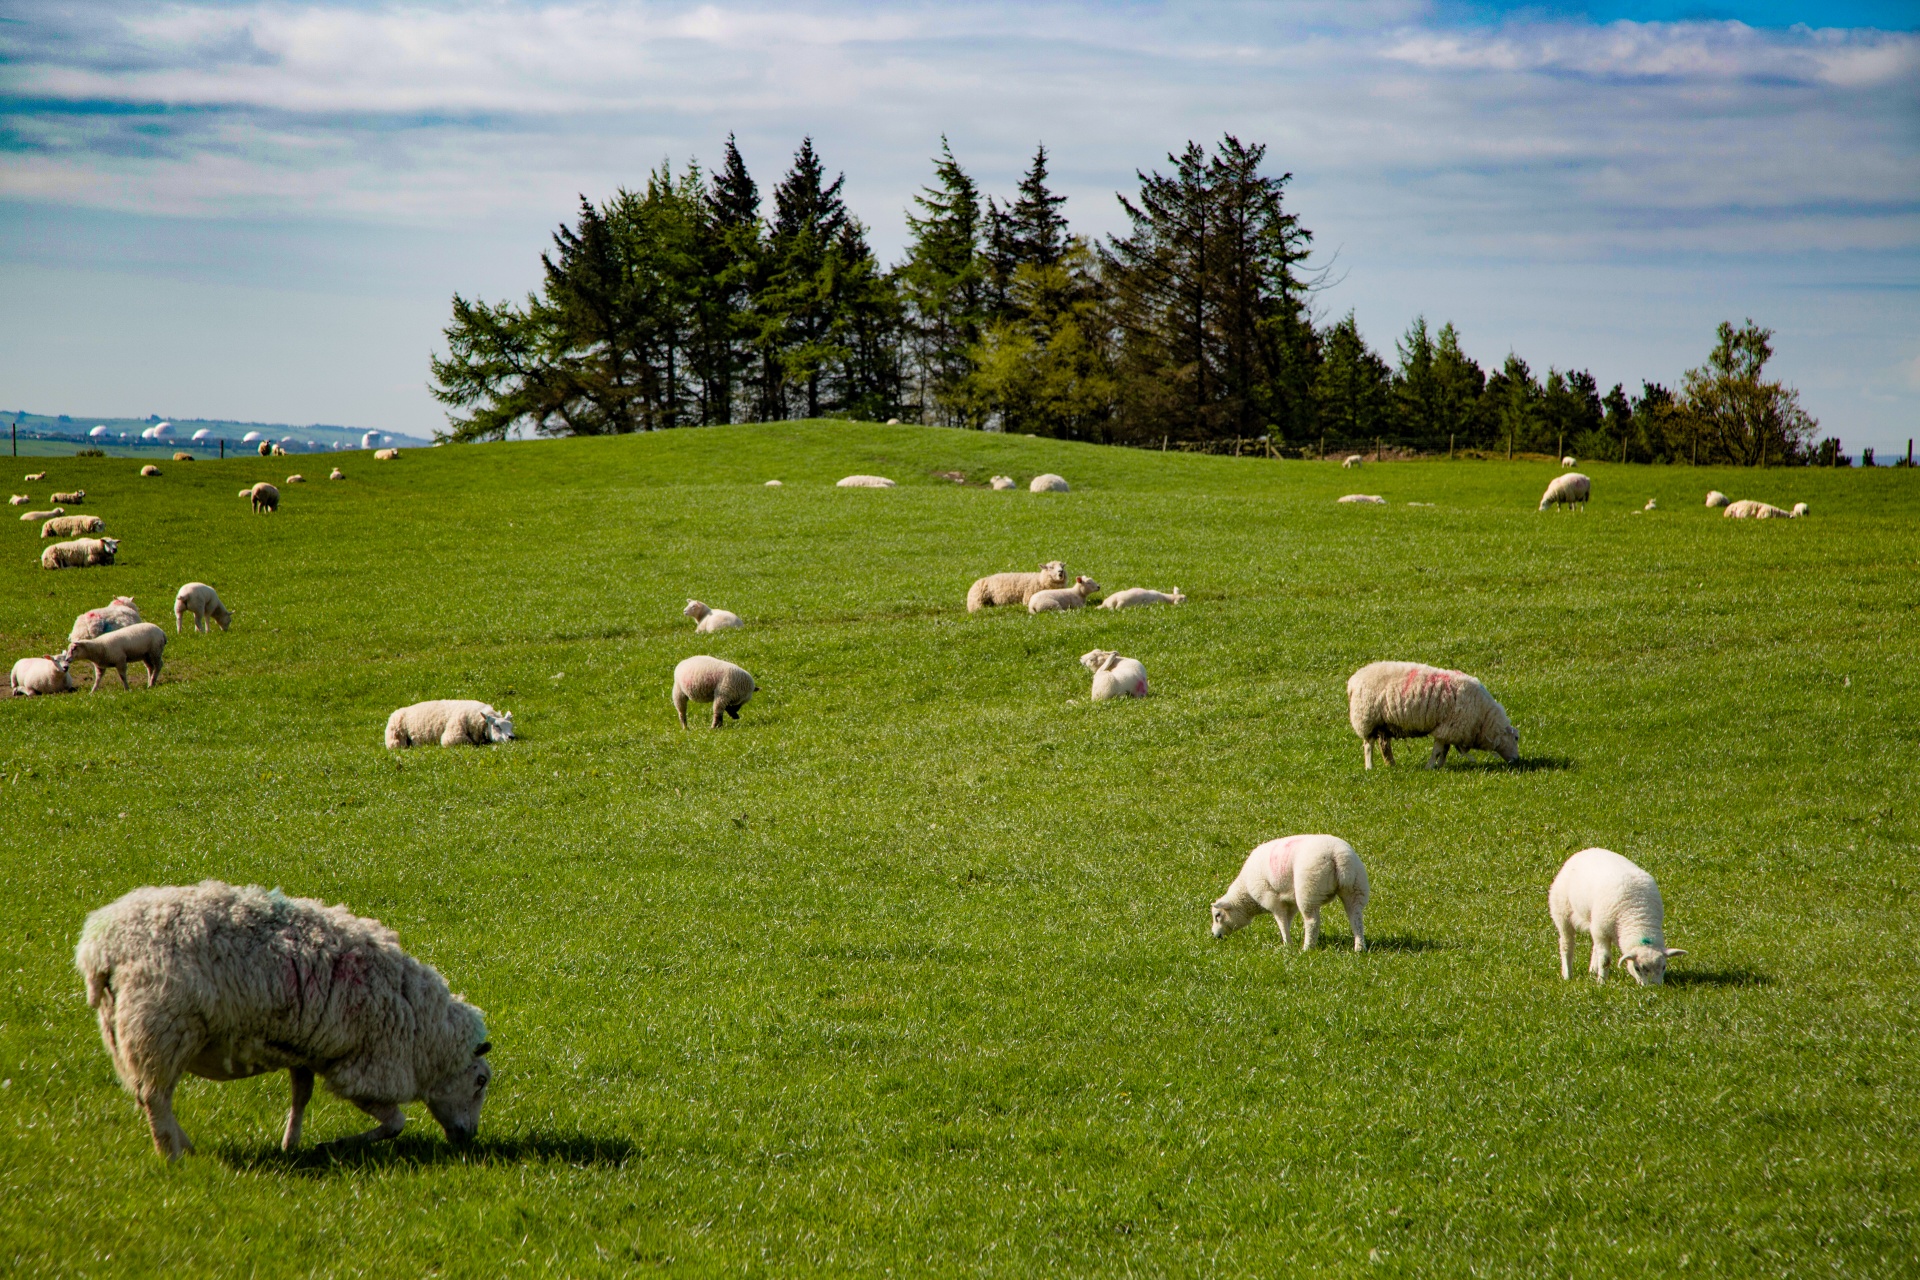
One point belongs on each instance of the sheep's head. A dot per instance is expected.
(1498, 735)
(456, 1100)
(1799, 509)
(1229, 914)
(61, 661)
(1086, 585)
(1054, 574)
(1097, 658)
(499, 724)
(1177, 598)
(1648, 963)
(223, 616)
(112, 546)
(696, 610)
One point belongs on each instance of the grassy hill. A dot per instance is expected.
(908, 970)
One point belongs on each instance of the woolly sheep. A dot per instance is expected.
(149, 470)
(118, 613)
(1073, 597)
(338, 474)
(1569, 489)
(183, 457)
(1368, 499)
(266, 448)
(1047, 483)
(1800, 509)
(1388, 700)
(142, 642)
(71, 526)
(1352, 460)
(73, 499)
(263, 496)
(1749, 509)
(449, 722)
(1014, 588)
(707, 679)
(277, 452)
(31, 516)
(40, 677)
(1002, 482)
(19, 500)
(1296, 873)
(1605, 896)
(79, 554)
(1136, 596)
(203, 602)
(296, 478)
(864, 482)
(38, 475)
(228, 982)
(1715, 498)
(1568, 462)
(710, 620)
(1115, 676)
(385, 455)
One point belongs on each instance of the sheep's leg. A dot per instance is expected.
(302, 1094)
(98, 671)
(178, 620)
(1310, 933)
(1386, 747)
(392, 1120)
(153, 671)
(1355, 905)
(1566, 948)
(123, 678)
(719, 713)
(169, 1139)
(1439, 756)
(1282, 916)
(1366, 750)
(680, 706)
(1598, 965)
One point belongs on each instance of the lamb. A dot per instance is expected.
(265, 497)
(709, 620)
(1047, 483)
(1715, 498)
(1602, 894)
(73, 499)
(1800, 509)
(1115, 676)
(1001, 482)
(1568, 462)
(142, 642)
(149, 470)
(1014, 588)
(338, 474)
(117, 614)
(1365, 499)
(1073, 597)
(385, 455)
(228, 982)
(203, 602)
(1749, 509)
(183, 457)
(1135, 596)
(1297, 873)
(81, 553)
(19, 500)
(38, 475)
(1653, 504)
(1352, 460)
(71, 526)
(296, 478)
(863, 482)
(1569, 489)
(31, 516)
(1388, 700)
(707, 679)
(40, 677)
(448, 721)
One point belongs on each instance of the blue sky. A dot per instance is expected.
(260, 208)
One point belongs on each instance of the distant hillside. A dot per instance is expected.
(45, 432)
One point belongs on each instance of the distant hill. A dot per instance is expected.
(51, 432)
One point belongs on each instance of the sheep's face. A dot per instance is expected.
(456, 1101)
(1087, 585)
(1054, 574)
(1648, 964)
(499, 725)
(1096, 659)
(1504, 741)
(695, 610)
(60, 661)
(1228, 916)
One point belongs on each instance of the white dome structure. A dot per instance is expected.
(371, 440)
(99, 433)
(204, 433)
(253, 437)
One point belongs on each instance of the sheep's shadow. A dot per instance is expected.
(576, 1149)
(1526, 764)
(1738, 977)
(1403, 942)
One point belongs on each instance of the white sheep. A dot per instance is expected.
(73, 499)
(264, 497)
(1653, 504)
(37, 475)
(1352, 460)
(142, 642)
(1749, 509)
(1115, 676)
(81, 553)
(385, 455)
(715, 680)
(1073, 597)
(149, 470)
(864, 482)
(449, 722)
(1047, 483)
(183, 457)
(1800, 509)
(32, 516)
(1002, 482)
(1133, 597)
(1296, 873)
(19, 500)
(296, 478)
(228, 982)
(1567, 489)
(1014, 588)
(116, 614)
(1568, 462)
(1365, 499)
(71, 526)
(203, 602)
(1605, 896)
(1388, 700)
(1715, 498)
(710, 620)
(40, 677)
(775, 484)
(338, 474)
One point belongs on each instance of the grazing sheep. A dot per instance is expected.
(265, 497)
(1800, 509)
(1073, 597)
(709, 620)
(149, 470)
(1364, 499)
(142, 642)
(228, 982)
(449, 722)
(116, 615)
(30, 516)
(1605, 896)
(71, 526)
(1351, 461)
(1135, 596)
(19, 500)
(1388, 700)
(38, 475)
(203, 602)
(183, 457)
(1715, 498)
(1568, 462)
(1014, 588)
(1115, 676)
(1749, 509)
(296, 478)
(707, 679)
(73, 499)
(1002, 482)
(1047, 483)
(863, 482)
(1569, 489)
(385, 455)
(1297, 873)
(81, 553)
(338, 474)
(40, 677)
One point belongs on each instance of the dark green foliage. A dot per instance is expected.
(943, 284)
(1354, 389)
(1742, 418)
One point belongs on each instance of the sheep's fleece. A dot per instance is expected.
(1388, 700)
(1014, 588)
(449, 722)
(1618, 905)
(227, 982)
(1296, 873)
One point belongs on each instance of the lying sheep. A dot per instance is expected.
(1365, 499)
(1605, 896)
(1750, 509)
(709, 620)
(385, 455)
(1115, 676)
(19, 500)
(1568, 462)
(183, 457)
(705, 679)
(73, 499)
(71, 526)
(265, 497)
(338, 474)
(1715, 498)
(1388, 700)
(38, 475)
(1014, 588)
(1001, 482)
(142, 642)
(1297, 873)
(775, 484)
(203, 602)
(449, 722)
(40, 677)
(1352, 460)
(1568, 489)
(149, 470)
(79, 554)
(863, 482)
(1136, 596)
(228, 982)
(1653, 504)
(296, 478)
(1047, 483)
(1073, 597)
(116, 615)
(30, 516)
(278, 452)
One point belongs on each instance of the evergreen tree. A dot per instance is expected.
(1354, 389)
(732, 270)
(1743, 418)
(1045, 368)
(1512, 398)
(798, 304)
(1569, 410)
(1416, 388)
(1459, 384)
(1030, 231)
(943, 282)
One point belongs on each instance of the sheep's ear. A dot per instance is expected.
(1675, 951)
(481, 1052)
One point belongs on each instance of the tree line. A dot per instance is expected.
(688, 303)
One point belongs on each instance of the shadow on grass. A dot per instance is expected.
(1717, 978)
(1527, 764)
(425, 1150)
(1407, 943)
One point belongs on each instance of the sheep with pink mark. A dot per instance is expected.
(1296, 874)
(1388, 700)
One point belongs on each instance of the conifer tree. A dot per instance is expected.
(943, 282)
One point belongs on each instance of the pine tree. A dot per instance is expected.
(1458, 385)
(1354, 389)
(732, 269)
(1416, 388)
(797, 304)
(1513, 403)
(944, 282)
(1031, 231)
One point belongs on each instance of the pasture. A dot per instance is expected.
(907, 971)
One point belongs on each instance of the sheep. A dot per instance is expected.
(228, 982)
(203, 602)
(142, 642)
(775, 484)
(183, 457)
(1351, 461)
(1047, 483)
(31, 516)
(1364, 499)
(338, 474)
(40, 677)
(1115, 676)
(1569, 489)
(1604, 895)
(278, 452)
(81, 553)
(1800, 509)
(73, 499)
(1653, 504)
(1297, 873)
(19, 500)
(1002, 482)
(296, 478)
(1073, 597)
(1388, 700)
(1568, 462)
(1749, 509)
(117, 614)
(1014, 588)
(1135, 596)
(706, 679)
(265, 497)
(863, 482)
(38, 475)
(709, 620)
(266, 448)
(1715, 498)
(71, 526)
(450, 722)
(149, 470)
(385, 455)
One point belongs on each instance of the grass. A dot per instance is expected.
(908, 971)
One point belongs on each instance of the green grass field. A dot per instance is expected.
(908, 971)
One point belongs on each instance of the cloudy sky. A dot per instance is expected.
(260, 210)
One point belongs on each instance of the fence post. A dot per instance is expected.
(1909, 450)
(1449, 446)
(223, 447)
(16, 437)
